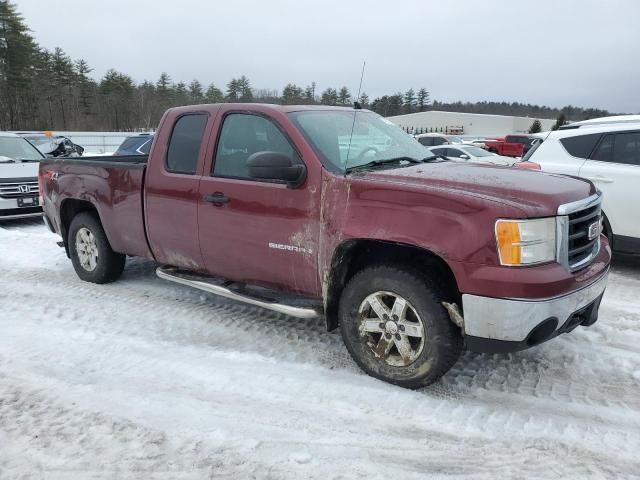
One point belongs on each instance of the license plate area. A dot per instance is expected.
(28, 202)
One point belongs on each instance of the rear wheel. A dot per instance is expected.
(395, 327)
(91, 254)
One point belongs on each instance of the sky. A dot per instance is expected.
(579, 52)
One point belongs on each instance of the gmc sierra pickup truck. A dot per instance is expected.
(335, 212)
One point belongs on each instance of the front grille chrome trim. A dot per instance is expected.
(562, 228)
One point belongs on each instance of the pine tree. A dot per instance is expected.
(214, 94)
(233, 90)
(344, 96)
(244, 89)
(292, 94)
(561, 120)
(195, 92)
(329, 97)
(422, 99)
(85, 86)
(536, 126)
(17, 50)
(310, 93)
(410, 101)
(364, 100)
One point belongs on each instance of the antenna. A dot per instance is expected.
(356, 107)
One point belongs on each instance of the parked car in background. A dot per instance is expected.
(18, 177)
(135, 145)
(475, 154)
(511, 145)
(617, 119)
(54, 145)
(411, 256)
(609, 156)
(434, 139)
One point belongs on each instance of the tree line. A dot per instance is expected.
(42, 89)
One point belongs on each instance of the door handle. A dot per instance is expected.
(217, 199)
(599, 178)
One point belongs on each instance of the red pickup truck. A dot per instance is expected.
(335, 212)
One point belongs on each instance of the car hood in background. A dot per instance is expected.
(10, 171)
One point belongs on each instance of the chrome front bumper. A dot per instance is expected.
(513, 320)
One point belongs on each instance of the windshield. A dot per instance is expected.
(374, 138)
(18, 148)
(477, 151)
(454, 139)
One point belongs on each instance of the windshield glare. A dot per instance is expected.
(18, 149)
(374, 138)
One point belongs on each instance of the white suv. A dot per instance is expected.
(609, 156)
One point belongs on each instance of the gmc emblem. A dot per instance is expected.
(594, 230)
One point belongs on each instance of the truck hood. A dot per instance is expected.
(9, 171)
(538, 194)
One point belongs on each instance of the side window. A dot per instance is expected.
(241, 136)
(146, 147)
(439, 141)
(426, 141)
(454, 152)
(626, 148)
(184, 145)
(581, 145)
(604, 152)
(439, 151)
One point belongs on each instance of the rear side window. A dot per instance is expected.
(130, 143)
(439, 141)
(626, 148)
(580, 146)
(184, 145)
(604, 152)
(454, 152)
(426, 141)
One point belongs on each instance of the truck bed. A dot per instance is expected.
(112, 185)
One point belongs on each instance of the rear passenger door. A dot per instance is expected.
(614, 167)
(257, 231)
(171, 190)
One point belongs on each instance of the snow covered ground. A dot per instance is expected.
(147, 379)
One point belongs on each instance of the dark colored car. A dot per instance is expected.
(136, 145)
(55, 146)
(336, 212)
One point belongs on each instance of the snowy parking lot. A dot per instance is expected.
(147, 379)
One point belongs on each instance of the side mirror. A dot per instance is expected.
(276, 166)
(464, 157)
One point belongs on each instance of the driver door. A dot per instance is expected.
(256, 231)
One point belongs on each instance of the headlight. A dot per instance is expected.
(526, 242)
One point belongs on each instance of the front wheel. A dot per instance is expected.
(91, 254)
(395, 327)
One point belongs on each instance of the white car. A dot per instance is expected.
(608, 155)
(472, 153)
(435, 139)
(19, 162)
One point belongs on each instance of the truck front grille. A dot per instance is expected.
(19, 189)
(581, 248)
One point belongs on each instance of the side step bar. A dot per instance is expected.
(305, 308)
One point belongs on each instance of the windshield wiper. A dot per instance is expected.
(381, 162)
(29, 159)
(433, 158)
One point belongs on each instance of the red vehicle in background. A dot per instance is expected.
(510, 145)
(336, 212)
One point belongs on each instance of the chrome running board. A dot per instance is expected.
(305, 308)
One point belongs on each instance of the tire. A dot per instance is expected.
(429, 357)
(107, 265)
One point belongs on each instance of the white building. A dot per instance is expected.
(472, 124)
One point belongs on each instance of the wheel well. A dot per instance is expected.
(353, 255)
(68, 210)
